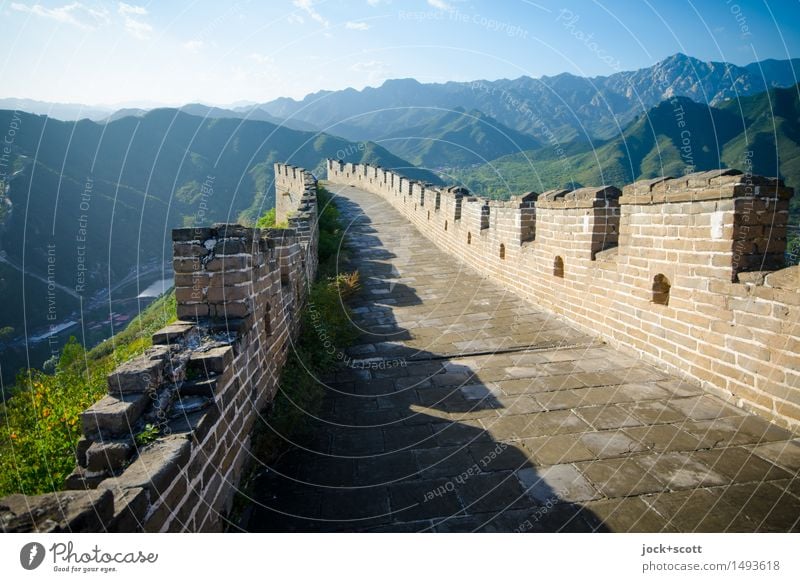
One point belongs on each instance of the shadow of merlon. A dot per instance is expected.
(404, 441)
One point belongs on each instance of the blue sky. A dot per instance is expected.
(223, 52)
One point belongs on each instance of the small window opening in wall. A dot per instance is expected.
(661, 288)
(558, 267)
(415, 206)
(429, 214)
(469, 238)
(445, 225)
(502, 251)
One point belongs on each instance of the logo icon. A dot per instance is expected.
(31, 555)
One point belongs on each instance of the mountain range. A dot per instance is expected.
(88, 207)
(90, 203)
(565, 107)
(760, 133)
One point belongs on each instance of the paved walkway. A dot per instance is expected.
(488, 414)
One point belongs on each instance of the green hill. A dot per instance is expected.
(457, 138)
(88, 207)
(675, 137)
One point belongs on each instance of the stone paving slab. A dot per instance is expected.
(502, 417)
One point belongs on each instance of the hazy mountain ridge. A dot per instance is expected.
(457, 138)
(105, 196)
(761, 132)
(566, 105)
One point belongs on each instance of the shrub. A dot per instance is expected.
(39, 425)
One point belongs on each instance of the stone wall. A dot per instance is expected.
(684, 271)
(202, 384)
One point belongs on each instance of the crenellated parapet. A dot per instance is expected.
(688, 271)
(197, 392)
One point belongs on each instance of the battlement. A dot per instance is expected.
(240, 292)
(686, 271)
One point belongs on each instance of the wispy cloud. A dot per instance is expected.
(132, 9)
(307, 6)
(193, 46)
(440, 4)
(75, 13)
(260, 58)
(357, 25)
(133, 23)
(373, 70)
(294, 19)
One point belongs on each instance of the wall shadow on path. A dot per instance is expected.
(400, 443)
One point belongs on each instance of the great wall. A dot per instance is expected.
(239, 293)
(683, 272)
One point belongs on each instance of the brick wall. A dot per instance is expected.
(203, 383)
(686, 271)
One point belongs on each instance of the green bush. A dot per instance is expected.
(39, 425)
(331, 234)
(267, 219)
(793, 250)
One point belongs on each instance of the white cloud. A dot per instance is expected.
(133, 25)
(294, 19)
(193, 46)
(74, 13)
(357, 25)
(440, 4)
(307, 6)
(373, 71)
(131, 9)
(261, 59)
(374, 2)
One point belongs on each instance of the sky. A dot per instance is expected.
(223, 53)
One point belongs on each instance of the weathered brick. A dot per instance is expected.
(108, 455)
(114, 415)
(142, 374)
(66, 511)
(155, 468)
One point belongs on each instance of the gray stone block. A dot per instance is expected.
(155, 468)
(108, 456)
(213, 361)
(143, 374)
(130, 508)
(67, 511)
(81, 479)
(114, 416)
